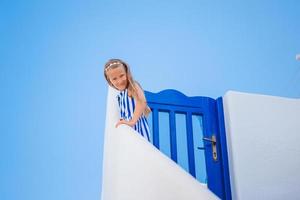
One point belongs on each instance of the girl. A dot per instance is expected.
(131, 99)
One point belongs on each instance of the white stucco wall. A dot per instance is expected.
(263, 138)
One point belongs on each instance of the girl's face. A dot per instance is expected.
(118, 77)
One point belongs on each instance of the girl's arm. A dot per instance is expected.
(140, 106)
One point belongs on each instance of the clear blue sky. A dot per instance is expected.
(53, 92)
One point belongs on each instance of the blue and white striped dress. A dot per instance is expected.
(127, 106)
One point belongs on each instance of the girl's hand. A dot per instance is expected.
(122, 121)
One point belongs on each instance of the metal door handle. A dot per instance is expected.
(213, 140)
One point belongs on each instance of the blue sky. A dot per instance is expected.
(53, 92)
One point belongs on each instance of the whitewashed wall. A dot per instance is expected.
(263, 136)
(133, 169)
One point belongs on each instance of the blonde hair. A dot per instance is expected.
(115, 63)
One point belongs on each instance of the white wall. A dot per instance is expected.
(263, 138)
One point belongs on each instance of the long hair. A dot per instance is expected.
(114, 63)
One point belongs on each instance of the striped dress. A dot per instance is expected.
(127, 105)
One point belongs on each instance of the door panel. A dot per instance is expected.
(182, 152)
(200, 166)
(164, 130)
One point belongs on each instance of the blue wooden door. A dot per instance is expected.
(190, 130)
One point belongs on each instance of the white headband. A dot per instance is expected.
(111, 64)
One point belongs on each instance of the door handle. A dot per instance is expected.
(213, 141)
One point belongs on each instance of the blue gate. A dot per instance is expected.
(190, 130)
